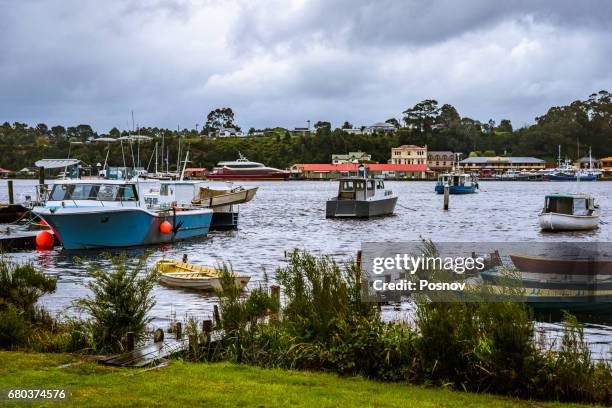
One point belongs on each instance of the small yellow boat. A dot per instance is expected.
(190, 276)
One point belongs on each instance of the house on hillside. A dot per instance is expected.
(380, 127)
(351, 157)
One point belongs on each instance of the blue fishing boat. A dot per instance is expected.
(112, 213)
(458, 183)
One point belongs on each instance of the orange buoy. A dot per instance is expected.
(44, 240)
(165, 227)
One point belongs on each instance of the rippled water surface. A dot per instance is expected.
(286, 215)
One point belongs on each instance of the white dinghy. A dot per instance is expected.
(569, 212)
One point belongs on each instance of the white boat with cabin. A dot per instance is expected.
(569, 212)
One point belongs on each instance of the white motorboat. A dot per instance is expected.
(569, 212)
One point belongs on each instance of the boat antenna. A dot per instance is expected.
(106, 159)
(123, 154)
(178, 156)
(185, 165)
(132, 151)
(161, 155)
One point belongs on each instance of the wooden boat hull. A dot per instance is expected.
(554, 300)
(560, 266)
(189, 276)
(549, 281)
(217, 198)
(360, 208)
(565, 222)
(11, 212)
(206, 284)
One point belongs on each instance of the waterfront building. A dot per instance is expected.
(501, 164)
(317, 171)
(440, 161)
(351, 157)
(196, 172)
(587, 163)
(409, 154)
(606, 163)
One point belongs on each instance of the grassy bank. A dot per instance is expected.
(222, 384)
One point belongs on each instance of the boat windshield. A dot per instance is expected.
(559, 205)
(581, 206)
(98, 192)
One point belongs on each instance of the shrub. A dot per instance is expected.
(14, 328)
(22, 285)
(120, 301)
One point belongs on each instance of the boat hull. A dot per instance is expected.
(224, 220)
(559, 266)
(248, 176)
(553, 177)
(565, 222)
(99, 227)
(206, 284)
(456, 189)
(360, 208)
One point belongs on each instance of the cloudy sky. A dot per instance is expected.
(284, 62)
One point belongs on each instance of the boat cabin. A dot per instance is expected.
(355, 188)
(456, 179)
(569, 204)
(88, 193)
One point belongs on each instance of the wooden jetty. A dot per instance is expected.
(162, 348)
(15, 238)
(147, 355)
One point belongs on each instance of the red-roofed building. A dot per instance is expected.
(196, 172)
(4, 173)
(333, 171)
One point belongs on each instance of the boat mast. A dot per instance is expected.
(155, 157)
(184, 165)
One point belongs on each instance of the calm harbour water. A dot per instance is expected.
(288, 215)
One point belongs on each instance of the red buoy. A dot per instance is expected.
(44, 240)
(165, 227)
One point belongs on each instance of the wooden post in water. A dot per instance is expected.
(446, 196)
(216, 315)
(178, 330)
(193, 343)
(207, 326)
(158, 336)
(130, 341)
(358, 271)
(10, 191)
(41, 183)
(275, 292)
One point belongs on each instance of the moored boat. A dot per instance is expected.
(189, 276)
(562, 266)
(569, 212)
(361, 197)
(458, 183)
(112, 213)
(244, 169)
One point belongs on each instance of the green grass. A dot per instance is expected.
(221, 385)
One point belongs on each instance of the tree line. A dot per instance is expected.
(576, 127)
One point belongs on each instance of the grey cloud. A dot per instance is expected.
(280, 63)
